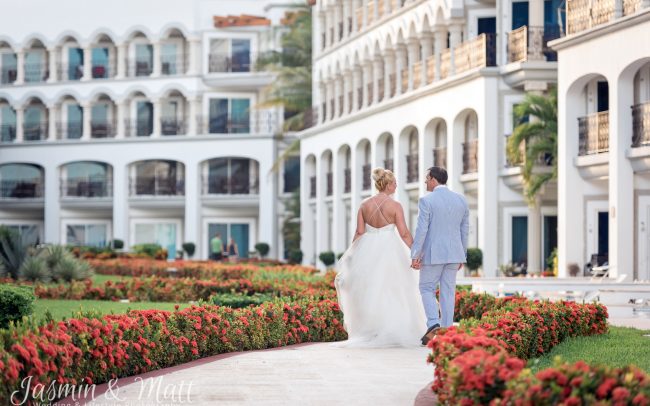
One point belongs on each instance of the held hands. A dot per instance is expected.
(416, 263)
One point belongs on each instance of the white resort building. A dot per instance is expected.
(604, 136)
(409, 84)
(138, 121)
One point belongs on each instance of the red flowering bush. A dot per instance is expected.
(94, 350)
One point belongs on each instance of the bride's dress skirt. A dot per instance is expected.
(378, 292)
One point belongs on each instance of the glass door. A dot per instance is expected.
(238, 231)
(520, 240)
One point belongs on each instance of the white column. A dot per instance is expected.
(414, 55)
(88, 63)
(389, 69)
(356, 84)
(377, 72)
(322, 107)
(52, 59)
(488, 170)
(367, 78)
(338, 22)
(427, 50)
(157, 62)
(355, 5)
(194, 45)
(400, 56)
(338, 91)
(535, 238)
(439, 44)
(347, 85)
(331, 113)
(20, 123)
(307, 243)
(87, 114)
(338, 212)
(621, 180)
(121, 61)
(346, 15)
(268, 207)
(52, 209)
(157, 114)
(328, 27)
(321, 211)
(192, 128)
(120, 206)
(192, 205)
(455, 36)
(121, 118)
(20, 67)
(53, 114)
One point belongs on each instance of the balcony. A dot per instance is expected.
(221, 185)
(381, 89)
(347, 180)
(641, 125)
(21, 189)
(411, 168)
(256, 122)
(312, 187)
(593, 131)
(9, 75)
(329, 189)
(156, 186)
(431, 69)
(584, 14)
(102, 130)
(136, 68)
(69, 130)
(172, 126)
(531, 43)
(470, 156)
(35, 132)
(440, 157)
(239, 71)
(172, 65)
(138, 128)
(7, 132)
(393, 84)
(68, 72)
(417, 74)
(36, 72)
(87, 188)
(102, 71)
(366, 181)
(388, 164)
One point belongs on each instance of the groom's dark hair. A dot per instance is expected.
(439, 174)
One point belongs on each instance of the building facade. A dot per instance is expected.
(410, 84)
(139, 121)
(604, 137)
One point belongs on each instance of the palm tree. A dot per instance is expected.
(537, 139)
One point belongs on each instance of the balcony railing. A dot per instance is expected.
(431, 69)
(35, 132)
(138, 128)
(329, 189)
(440, 156)
(359, 98)
(381, 89)
(102, 130)
(70, 130)
(404, 82)
(365, 184)
(531, 43)
(172, 126)
(9, 75)
(542, 159)
(412, 168)
(36, 72)
(136, 68)
(393, 84)
(347, 180)
(593, 133)
(228, 63)
(257, 122)
(87, 187)
(102, 71)
(312, 186)
(70, 71)
(340, 105)
(7, 132)
(156, 186)
(21, 189)
(222, 185)
(470, 156)
(369, 90)
(445, 63)
(585, 14)
(641, 124)
(388, 164)
(172, 65)
(478, 52)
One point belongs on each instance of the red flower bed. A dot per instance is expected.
(97, 349)
(482, 361)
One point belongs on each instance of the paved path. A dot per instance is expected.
(311, 374)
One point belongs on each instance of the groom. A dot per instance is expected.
(439, 248)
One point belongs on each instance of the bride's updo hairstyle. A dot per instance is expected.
(383, 178)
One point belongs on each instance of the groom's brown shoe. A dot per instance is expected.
(431, 332)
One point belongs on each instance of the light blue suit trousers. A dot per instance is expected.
(430, 276)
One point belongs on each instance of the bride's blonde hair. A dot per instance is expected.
(383, 178)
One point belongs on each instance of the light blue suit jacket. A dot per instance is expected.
(443, 226)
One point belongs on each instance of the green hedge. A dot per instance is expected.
(238, 301)
(15, 302)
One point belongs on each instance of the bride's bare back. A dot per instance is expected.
(379, 211)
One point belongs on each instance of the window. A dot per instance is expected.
(520, 239)
(9, 64)
(487, 25)
(163, 234)
(21, 181)
(229, 116)
(230, 55)
(159, 178)
(169, 56)
(34, 128)
(29, 233)
(34, 66)
(143, 59)
(291, 174)
(86, 179)
(237, 231)
(170, 122)
(519, 14)
(603, 96)
(99, 120)
(232, 176)
(93, 235)
(100, 65)
(74, 121)
(75, 63)
(7, 124)
(144, 122)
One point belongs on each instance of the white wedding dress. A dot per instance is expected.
(378, 292)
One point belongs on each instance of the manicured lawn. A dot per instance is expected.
(65, 308)
(100, 279)
(621, 346)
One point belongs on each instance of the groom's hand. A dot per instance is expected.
(416, 264)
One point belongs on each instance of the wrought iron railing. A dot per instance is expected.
(102, 130)
(312, 186)
(173, 126)
(593, 133)
(36, 72)
(412, 168)
(347, 180)
(440, 156)
(156, 186)
(87, 187)
(223, 185)
(69, 130)
(255, 122)
(388, 164)
(470, 156)
(228, 63)
(136, 67)
(35, 132)
(21, 189)
(366, 181)
(641, 124)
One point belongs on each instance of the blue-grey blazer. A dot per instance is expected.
(443, 226)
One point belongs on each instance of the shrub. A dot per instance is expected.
(474, 258)
(189, 248)
(295, 256)
(238, 300)
(118, 244)
(35, 269)
(327, 258)
(12, 251)
(263, 248)
(149, 250)
(15, 302)
(54, 255)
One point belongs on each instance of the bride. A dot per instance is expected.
(377, 290)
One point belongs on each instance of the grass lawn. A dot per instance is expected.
(100, 279)
(621, 346)
(65, 308)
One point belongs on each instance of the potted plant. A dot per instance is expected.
(474, 260)
(328, 258)
(189, 248)
(262, 248)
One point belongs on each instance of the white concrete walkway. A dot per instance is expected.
(311, 374)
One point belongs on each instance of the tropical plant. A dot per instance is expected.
(35, 269)
(537, 138)
(13, 251)
(291, 225)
